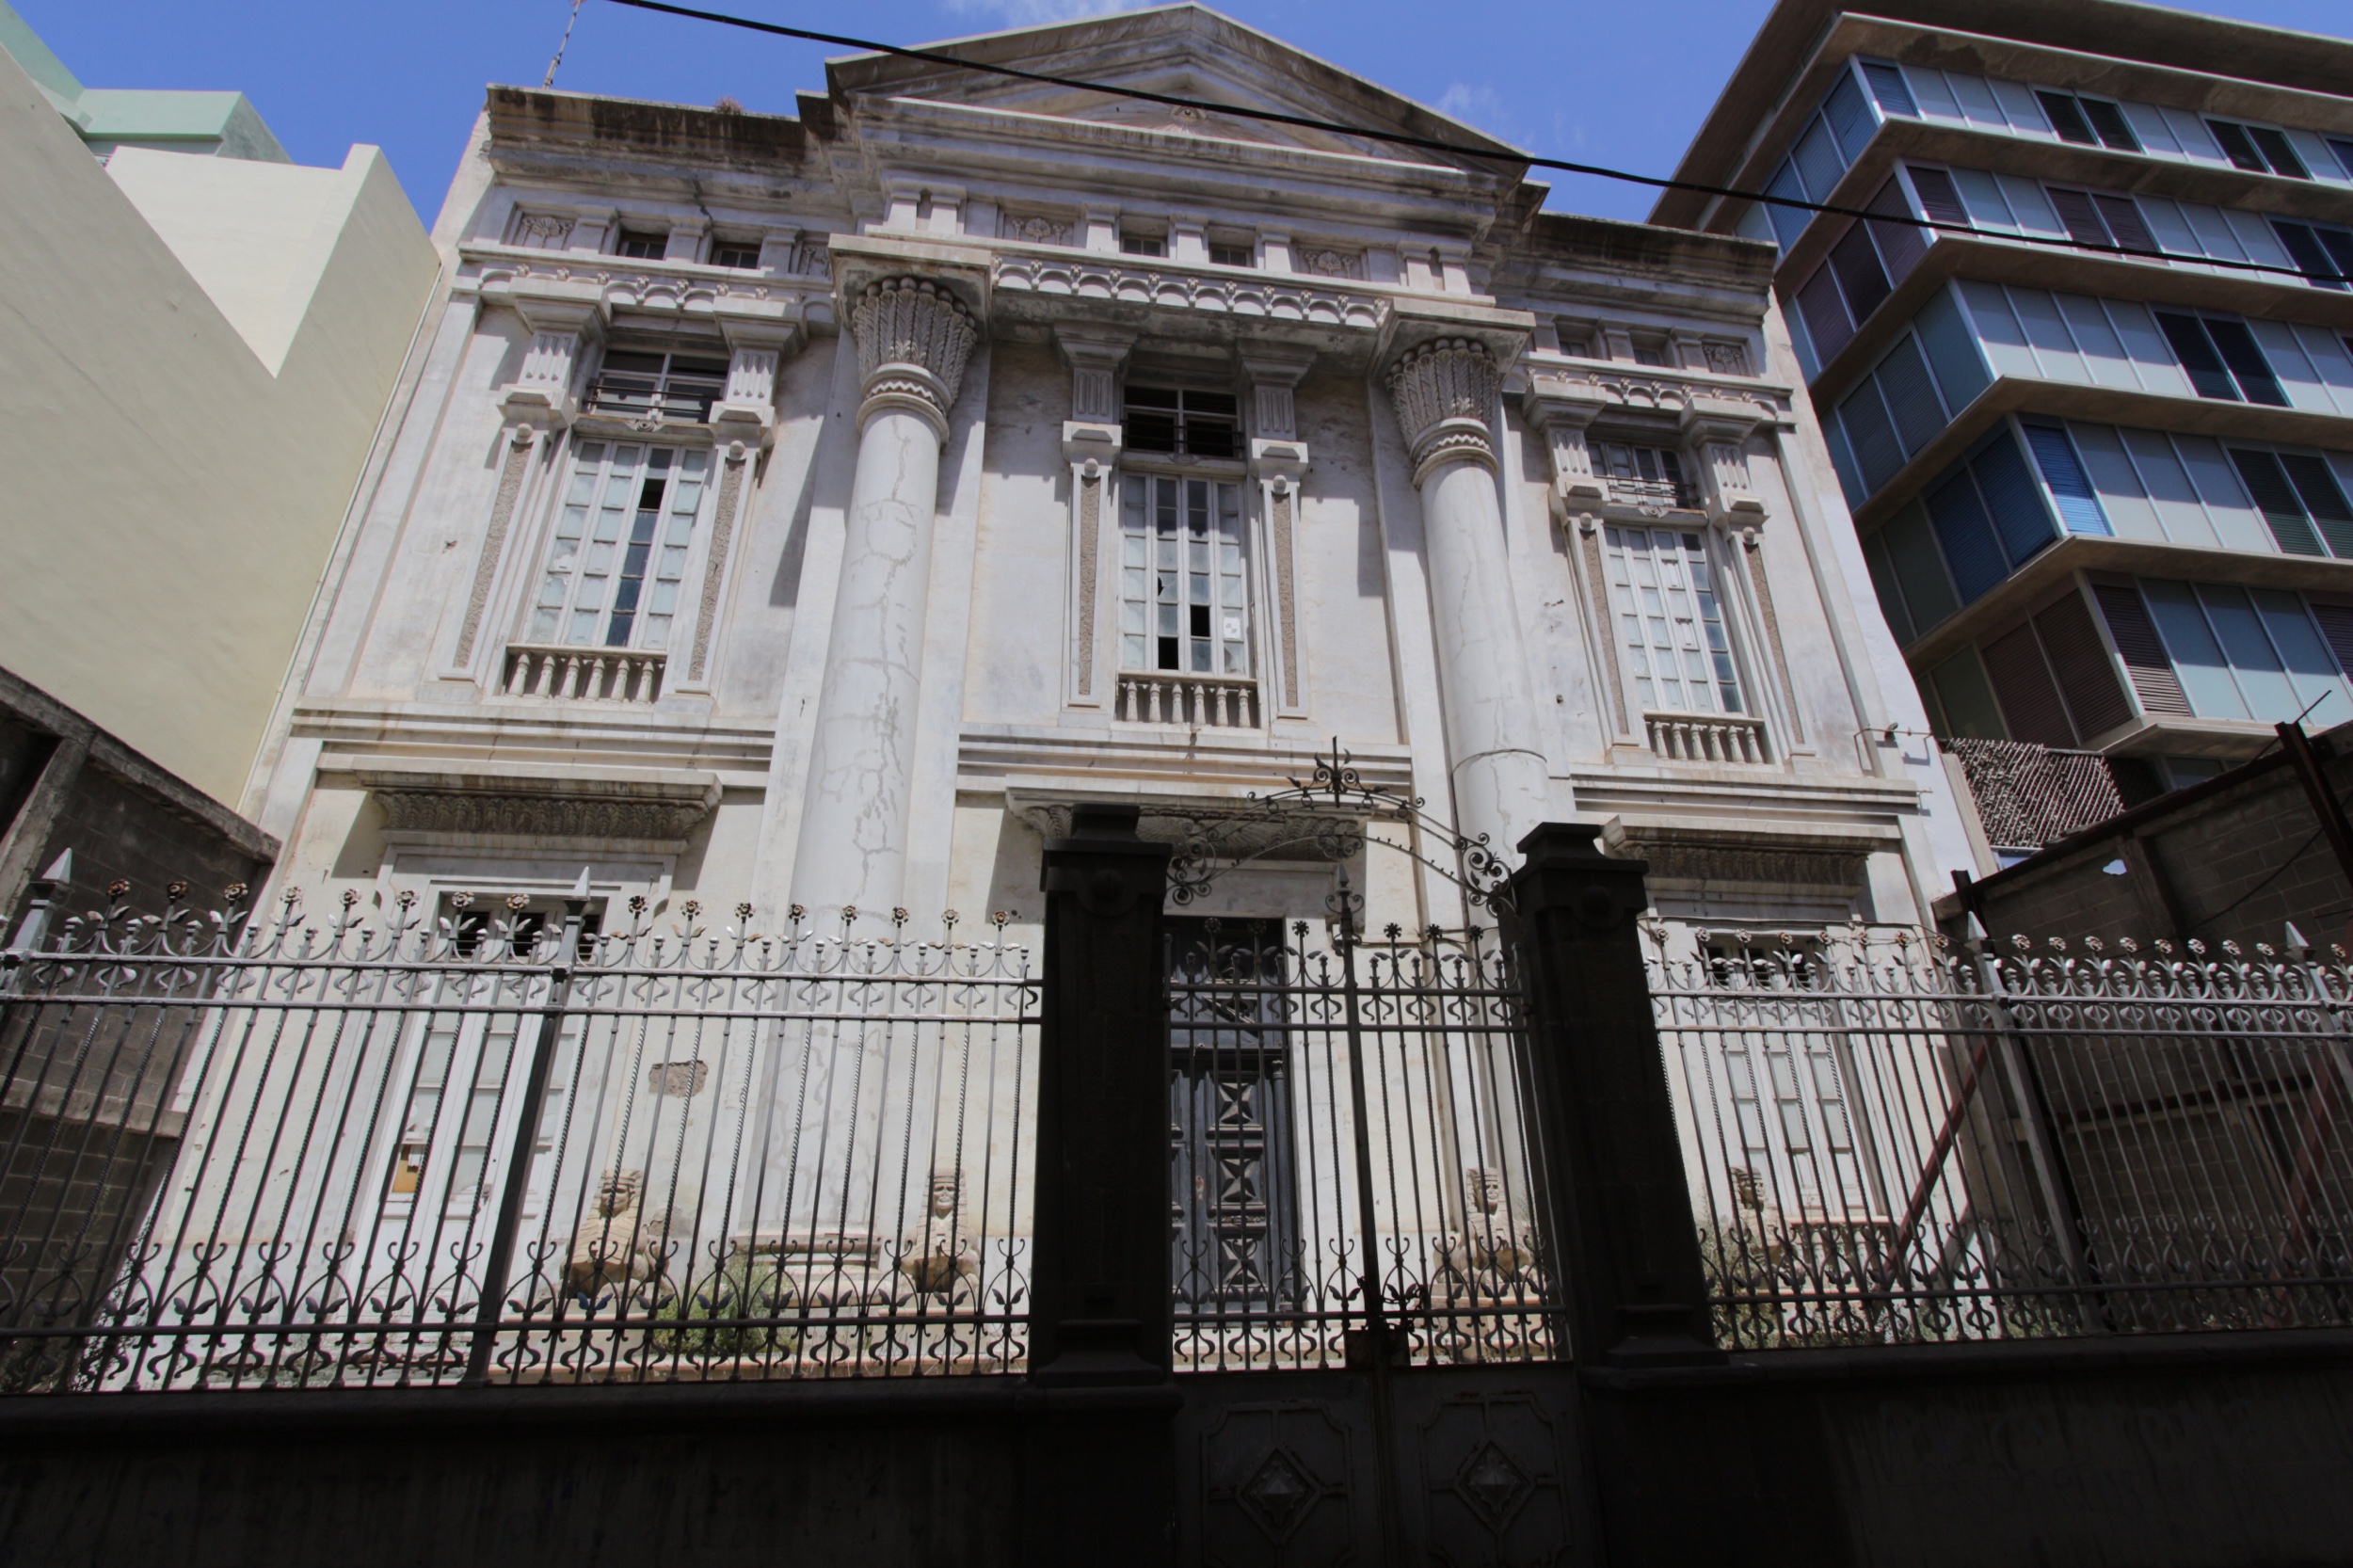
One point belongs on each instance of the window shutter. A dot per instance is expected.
(2336, 624)
(2067, 119)
(2311, 258)
(2208, 372)
(1910, 395)
(1789, 222)
(1818, 160)
(1825, 313)
(2278, 153)
(2012, 499)
(2339, 243)
(1953, 353)
(2087, 676)
(2276, 499)
(2082, 219)
(2232, 138)
(1939, 197)
(2063, 471)
(2239, 350)
(1850, 116)
(1883, 583)
(2136, 636)
(1889, 86)
(1902, 245)
(1967, 536)
(2125, 224)
(1876, 450)
(1859, 272)
(2109, 121)
(1967, 698)
(2323, 500)
(2031, 709)
(1919, 571)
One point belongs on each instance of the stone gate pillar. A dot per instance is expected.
(913, 340)
(1443, 392)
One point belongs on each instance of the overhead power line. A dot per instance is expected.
(1431, 144)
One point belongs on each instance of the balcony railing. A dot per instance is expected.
(681, 396)
(584, 673)
(1203, 701)
(1666, 495)
(1708, 736)
(2029, 795)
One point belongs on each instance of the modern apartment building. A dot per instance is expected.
(2089, 387)
(199, 338)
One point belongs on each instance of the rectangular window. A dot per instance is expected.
(2103, 221)
(1644, 475)
(2222, 359)
(1183, 422)
(1231, 255)
(1183, 589)
(644, 244)
(618, 552)
(2063, 472)
(1671, 623)
(2299, 499)
(2089, 121)
(1939, 197)
(2258, 149)
(1889, 89)
(1142, 245)
(632, 384)
(743, 255)
(2323, 254)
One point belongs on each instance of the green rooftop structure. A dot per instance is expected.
(218, 124)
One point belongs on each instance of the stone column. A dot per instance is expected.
(1503, 788)
(913, 340)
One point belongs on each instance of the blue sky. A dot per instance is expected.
(1600, 81)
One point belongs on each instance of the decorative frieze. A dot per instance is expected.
(1034, 229)
(1442, 392)
(571, 818)
(1133, 280)
(1324, 262)
(914, 338)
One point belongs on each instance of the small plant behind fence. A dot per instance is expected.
(291, 1154)
(1890, 1140)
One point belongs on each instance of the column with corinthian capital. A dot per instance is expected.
(913, 340)
(1443, 392)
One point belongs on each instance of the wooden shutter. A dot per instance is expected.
(2031, 709)
(2135, 637)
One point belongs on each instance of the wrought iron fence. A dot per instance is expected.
(281, 1154)
(1890, 1142)
(1350, 1160)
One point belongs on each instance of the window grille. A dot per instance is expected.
(636, 385)
(1671, 623)
(1184, 593)
(1183, 423)
(620, 548)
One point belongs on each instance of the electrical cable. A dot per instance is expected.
(1433, 144)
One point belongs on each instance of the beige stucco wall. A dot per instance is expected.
(195, 352)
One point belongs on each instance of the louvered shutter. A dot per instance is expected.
(2245, 356)
(2278, 153)
(1967, 536)
(1825, 313)
(1903, 378)
(2208, 372)
(1875, 451)
(2126, 225)
(1859, 272)
(1939, 197)
(2082, 219)
(2324, 501)
(2031, 709)
(1900, 243)
(2336, 624)
(2109, 121)
(2087, 676)
(2276, 499)
(2311, 258)
(2067, 119)
(1889, 86)
(2135, 638)
(2012, 499)
(2063, 471)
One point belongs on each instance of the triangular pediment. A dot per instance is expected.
(1186, 51)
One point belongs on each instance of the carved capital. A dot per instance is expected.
(913, 341)
(1442, 392)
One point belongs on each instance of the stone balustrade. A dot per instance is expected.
(1203, 701)
(584, 673)
(1708, 736)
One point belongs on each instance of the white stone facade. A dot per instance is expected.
(867, 384)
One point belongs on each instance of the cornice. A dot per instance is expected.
(524, 279)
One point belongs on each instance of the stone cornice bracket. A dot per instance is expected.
(757, 351)
(1442, 392)
(1564, 417)
(1718, 430)
(1275, 450)
(914, 338)
(541, 396)
(1093, 429)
